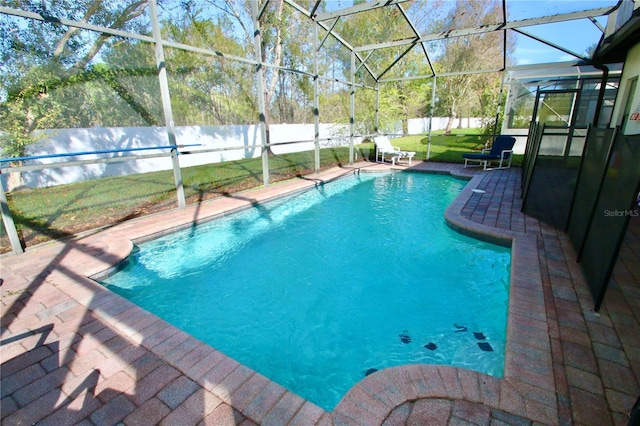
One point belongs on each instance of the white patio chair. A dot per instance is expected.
(384, 148)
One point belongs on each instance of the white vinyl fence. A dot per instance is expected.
(231, 142)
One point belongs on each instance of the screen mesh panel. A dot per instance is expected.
(594, 162)
(551, 176)
(617, 202)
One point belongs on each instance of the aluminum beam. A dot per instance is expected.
(352, 107)
(376, 113)
(166, 101)
(342, 41)
(431, 109)
(257, 44)
(444, 74)
(597, 24)
(9, 225)
(119, 33)
(61, 164)
(548, 43)
(490, 28)
(71, 23)
(316, 100)
(363, 7)
(262, 9)
(326, 36)
(417, 33)
(400, 56)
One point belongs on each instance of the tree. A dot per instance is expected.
(460, 92)
(398, 100)
(404, 99)
(274, 23)
(204, 89)
(293, 95)
(39, 57)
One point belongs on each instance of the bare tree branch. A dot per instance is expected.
(65, 39)
(132, 11)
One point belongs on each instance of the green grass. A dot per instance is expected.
(44, 214)
(447, 149)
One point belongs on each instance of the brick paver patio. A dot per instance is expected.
(72, 352)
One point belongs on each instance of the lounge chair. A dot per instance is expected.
(384, 148)
(501, 151)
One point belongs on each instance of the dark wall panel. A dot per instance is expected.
(594, 163)
(552, 175)
(616, 203)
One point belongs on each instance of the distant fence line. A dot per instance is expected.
(215, 144)
(421, 125)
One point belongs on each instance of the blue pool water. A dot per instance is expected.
(318, 289)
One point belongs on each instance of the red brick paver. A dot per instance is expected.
(73, 352)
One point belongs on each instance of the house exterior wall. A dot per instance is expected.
(629, 122)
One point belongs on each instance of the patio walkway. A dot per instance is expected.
(73, 352)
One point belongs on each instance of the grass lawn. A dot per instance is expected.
(44, 214)
(444, 149)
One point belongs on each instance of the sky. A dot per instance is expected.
(577, 35)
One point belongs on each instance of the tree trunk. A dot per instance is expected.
(14, 180)
(270, 86)
(447, 129)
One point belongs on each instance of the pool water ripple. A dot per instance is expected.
(315, 290)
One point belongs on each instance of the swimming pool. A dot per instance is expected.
(321, 288)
